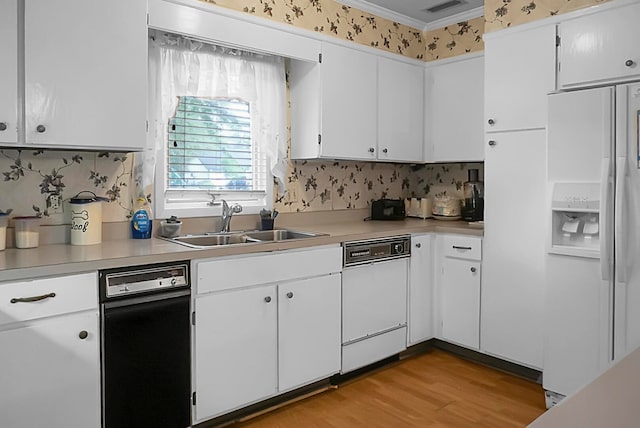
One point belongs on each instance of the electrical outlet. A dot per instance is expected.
(54, 203)
(291, 195)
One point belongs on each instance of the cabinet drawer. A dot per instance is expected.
(462, 247)
(235, 272)
(51, 296)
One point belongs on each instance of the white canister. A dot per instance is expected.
(86, 218)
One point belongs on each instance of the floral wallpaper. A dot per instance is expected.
(500, 14)
(330, 185)
(30, 176)
(335, 19)
(457, 39)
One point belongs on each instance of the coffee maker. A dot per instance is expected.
(473, 202)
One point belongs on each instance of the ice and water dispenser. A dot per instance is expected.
(575, 210)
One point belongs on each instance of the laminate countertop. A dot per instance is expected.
(60, 259)
(610, 401)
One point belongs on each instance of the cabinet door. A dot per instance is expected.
(455, 111)
(50, 376)
(601, 47)
(460, 291)
(513, 274)
(519, 73)
(309, 330)
(86, 73)
(9, 72)
(400, 111)
(235, 349)
(420, 317)
(349, 96)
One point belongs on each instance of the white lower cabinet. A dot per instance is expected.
(420, 317)
(309, 330)
(459, 289)
(264, 334)
(49, 353)
(236, 349)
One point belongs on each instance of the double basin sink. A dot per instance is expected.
(209, 240)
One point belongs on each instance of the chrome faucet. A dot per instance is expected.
(227, 213)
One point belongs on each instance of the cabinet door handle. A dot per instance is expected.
(290, 295)
(491, 122)
(371, 150)
(492, 143)
(629, 63)
(83, 334)
(473, 270)
(385, 150)
(32, 299)
(267, 299)
(40, 129)
(3, 126)
(455, 247)
(418, 245)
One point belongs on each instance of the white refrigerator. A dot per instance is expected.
(592, 310)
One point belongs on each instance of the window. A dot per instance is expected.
(210, 147)
(220, 126)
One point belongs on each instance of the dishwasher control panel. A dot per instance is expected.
(141, 279)
(378, 249)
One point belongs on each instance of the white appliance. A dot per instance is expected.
(593, 271)
(374, 300)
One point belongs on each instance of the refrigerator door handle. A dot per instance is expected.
(605, 238)
(619, 235)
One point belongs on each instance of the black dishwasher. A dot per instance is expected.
(145, 338)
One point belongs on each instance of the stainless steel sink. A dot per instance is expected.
(211, 240)
(279, 235)
(207, 241)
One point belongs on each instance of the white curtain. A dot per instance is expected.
(191, 68)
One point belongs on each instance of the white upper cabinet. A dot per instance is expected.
(600, 48)
(9, 72)
(333, 105)
(400, 111)
(356, 105)
(455, 110)
(85, 74)
(519, 73)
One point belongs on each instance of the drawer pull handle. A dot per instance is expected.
(32, 299)
(83, 334)
(455, 247)
(473, 270)
(267, 299)
(290, 295)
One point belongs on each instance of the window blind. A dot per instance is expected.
(210, 147)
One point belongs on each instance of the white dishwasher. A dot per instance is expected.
(374, 300)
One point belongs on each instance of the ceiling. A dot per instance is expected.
(415, 13)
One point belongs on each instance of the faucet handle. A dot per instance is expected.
(212, 202)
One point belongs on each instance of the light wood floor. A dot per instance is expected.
(432, 390)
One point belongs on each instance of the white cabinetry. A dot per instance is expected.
(356, 105)
(232, 330)
(264, 324)
(519, 73)
(9, 72)
(50, 353)
(514, 247)
(599, 48)
(85, 74)
(420, 307)
(459, 289)
(455, 110)
(400, 111)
